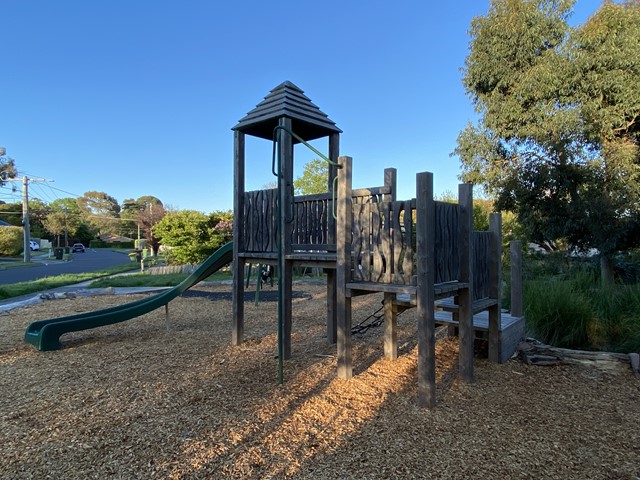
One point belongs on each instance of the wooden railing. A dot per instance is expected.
(311, 221)
(383, 242)
(312, 217)
(446, 242)
(383, 236)
(384, 233)
(260, 221)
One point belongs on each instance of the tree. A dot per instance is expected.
(7, 167)
(11, 213)
(142, 214)
(557, 139)
(63, 218)
(190, 234)
(100, 210)
(222, 222)
(148, 217)
(313, 179)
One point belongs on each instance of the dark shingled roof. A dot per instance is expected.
(287, 100)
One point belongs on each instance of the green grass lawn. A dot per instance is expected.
(24, 288)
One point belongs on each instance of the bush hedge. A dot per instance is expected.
(11, 241)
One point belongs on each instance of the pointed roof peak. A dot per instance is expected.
(287, 100)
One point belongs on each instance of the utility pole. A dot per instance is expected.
(25, 219)
(25, 212)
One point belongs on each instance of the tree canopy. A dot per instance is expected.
(313, 179)
(558, 135)
(192, 235)
(100, 210)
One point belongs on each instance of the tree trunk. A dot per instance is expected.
(606, 270)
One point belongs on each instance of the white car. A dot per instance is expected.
(34, 245)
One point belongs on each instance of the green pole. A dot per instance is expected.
(280, 282)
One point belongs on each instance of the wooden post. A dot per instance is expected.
(515, 248)
(237, 326)
(166, 316)
(390, 327)
(391, 180)
(495, 286)
(390, 316)
(332, 335)
(465, 296)
(285, 229)
(425, 250)
(343, 268)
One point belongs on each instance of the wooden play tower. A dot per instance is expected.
(419, 252)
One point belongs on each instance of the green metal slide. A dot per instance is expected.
(45, 334)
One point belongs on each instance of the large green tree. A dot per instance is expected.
(63, 218)
(140, 216)
(101, 211)
(191, 235)
(557, 137)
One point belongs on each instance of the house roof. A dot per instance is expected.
(287, 100)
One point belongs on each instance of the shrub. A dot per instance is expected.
(11, 241)
(558, 313)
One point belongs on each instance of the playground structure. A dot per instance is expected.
(419, 252)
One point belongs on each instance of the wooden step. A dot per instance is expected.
(405, 301)
(448, 305)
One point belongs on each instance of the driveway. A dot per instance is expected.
(89, 261)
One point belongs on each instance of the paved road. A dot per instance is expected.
(89, 261)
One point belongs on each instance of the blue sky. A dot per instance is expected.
(137, 98)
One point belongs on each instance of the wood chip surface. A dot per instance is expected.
(138, 400)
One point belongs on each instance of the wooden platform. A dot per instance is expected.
(511, 328)
(299, 259)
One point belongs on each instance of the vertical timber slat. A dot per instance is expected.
(332, 335)
(343, 268)
(407, 264)
(465, 296)
(425, 248)
(285, 231)
(390, 328)
(237, 327)
(495, 285)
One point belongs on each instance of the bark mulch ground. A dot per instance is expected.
(140, 400)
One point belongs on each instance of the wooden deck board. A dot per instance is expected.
(480, 320)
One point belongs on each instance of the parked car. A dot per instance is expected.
(77, 247)
(34, 245)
